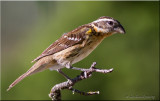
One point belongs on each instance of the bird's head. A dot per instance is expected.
(107, 25)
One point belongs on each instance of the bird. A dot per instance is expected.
(73, 47)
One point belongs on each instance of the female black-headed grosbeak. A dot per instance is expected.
(73, 46)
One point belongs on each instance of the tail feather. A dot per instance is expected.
(37, 67)
(18, 80)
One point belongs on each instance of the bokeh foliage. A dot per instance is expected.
(30, 27)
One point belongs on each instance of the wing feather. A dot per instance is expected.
(69, 39)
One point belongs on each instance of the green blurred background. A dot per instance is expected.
(30, 27)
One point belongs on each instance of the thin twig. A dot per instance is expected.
(55, 93)
(83, 93)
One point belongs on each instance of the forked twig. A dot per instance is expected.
(55, 93)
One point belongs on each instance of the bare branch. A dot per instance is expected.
(55, 93)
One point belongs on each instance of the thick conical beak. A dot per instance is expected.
(120, 29)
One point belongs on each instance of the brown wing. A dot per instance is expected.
(69, 39)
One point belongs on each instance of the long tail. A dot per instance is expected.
(37, 67)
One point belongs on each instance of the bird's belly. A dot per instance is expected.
(85, 52)
(76, 53)
(81, 55)
(71, 56)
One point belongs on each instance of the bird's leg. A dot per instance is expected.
(60, 71)
(75, 68)
(80, 69)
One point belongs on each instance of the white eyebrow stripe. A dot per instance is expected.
(102, 20)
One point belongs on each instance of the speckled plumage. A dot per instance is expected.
(73, 46)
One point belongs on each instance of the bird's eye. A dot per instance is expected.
(110, 22)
